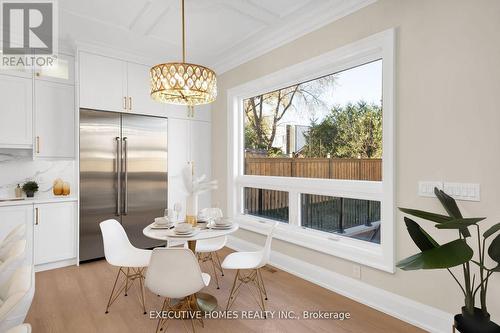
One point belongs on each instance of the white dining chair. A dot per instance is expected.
(15, 297)
(119, 252)
(12, 259)
(24, 328)
(16, 233)
(206, 249)
(251, 263)
(174, 273)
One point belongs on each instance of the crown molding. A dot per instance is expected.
(244, 52)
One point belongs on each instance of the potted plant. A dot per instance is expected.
(458, 253)
(30, 188)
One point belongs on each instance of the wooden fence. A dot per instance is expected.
(329, 168)
(319, 212)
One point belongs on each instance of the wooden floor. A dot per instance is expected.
(73, 299)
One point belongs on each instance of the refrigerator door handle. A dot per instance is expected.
(125, 168)
(118, 177)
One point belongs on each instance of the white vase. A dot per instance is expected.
(192, 209)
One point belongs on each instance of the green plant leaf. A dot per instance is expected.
(451, 207)
(496, 269)
(494, 249)
(438, 218)
(491, 230)
(448, 255)
(421, 238)
(449, 204)
(460, 223)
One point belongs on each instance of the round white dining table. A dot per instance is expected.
(206, 302)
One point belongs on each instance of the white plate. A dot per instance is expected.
(220, 227)
(222, 224)
(173, 234)
(183, 232)
(161, 226)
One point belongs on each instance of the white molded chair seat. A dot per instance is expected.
(15, 298)
(121, 253)
(243, 260)
(206, 249)
(252, 262)
(174, 273)
(211, 244)
(132, 258)
(24, 328)
(117, 248)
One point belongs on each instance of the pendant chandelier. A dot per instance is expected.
(183, 83)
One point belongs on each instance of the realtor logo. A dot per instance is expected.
(29, 33)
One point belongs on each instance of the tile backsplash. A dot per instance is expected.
(18, 166)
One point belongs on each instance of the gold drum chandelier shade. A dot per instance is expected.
(183, 83)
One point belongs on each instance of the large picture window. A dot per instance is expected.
(313, 149)
(329, 127)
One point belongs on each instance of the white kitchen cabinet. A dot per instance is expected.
(201, 155)
(54, 232)
(13, 216)
(16, 112)
(62, 71)
(111, 84)
(188, 140)
(178, 156)
(138, 91)
(103, 82)
(54, 119)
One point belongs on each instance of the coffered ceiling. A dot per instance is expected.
(220, 33)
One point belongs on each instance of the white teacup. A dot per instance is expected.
(221, 221)
(183, 227)
(161, 221)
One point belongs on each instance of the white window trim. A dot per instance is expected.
(380, 256)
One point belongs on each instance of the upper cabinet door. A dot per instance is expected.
(102, 83)
(139, 100)
(63, 71)
(16, 112)
(54, 119)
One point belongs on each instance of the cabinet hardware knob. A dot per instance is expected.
(36, 216)
(130, 103)
(38, 145)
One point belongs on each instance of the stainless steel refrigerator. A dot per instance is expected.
(123, 176)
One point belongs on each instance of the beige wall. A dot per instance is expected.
(448, 119)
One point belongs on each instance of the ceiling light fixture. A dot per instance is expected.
(183, 83)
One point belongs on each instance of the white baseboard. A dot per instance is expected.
(410, 311)
(54, 265)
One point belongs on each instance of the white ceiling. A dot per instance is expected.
(220, 33)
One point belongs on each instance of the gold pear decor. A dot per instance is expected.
(61, 187)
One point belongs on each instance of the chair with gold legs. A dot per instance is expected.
(248, 266)
(174, 273)
(119, 252)
(206, 249)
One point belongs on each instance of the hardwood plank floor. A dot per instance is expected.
(73, 299)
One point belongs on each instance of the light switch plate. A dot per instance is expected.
(426, 188)
(463, 191)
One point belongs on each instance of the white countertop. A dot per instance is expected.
(32, 201)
